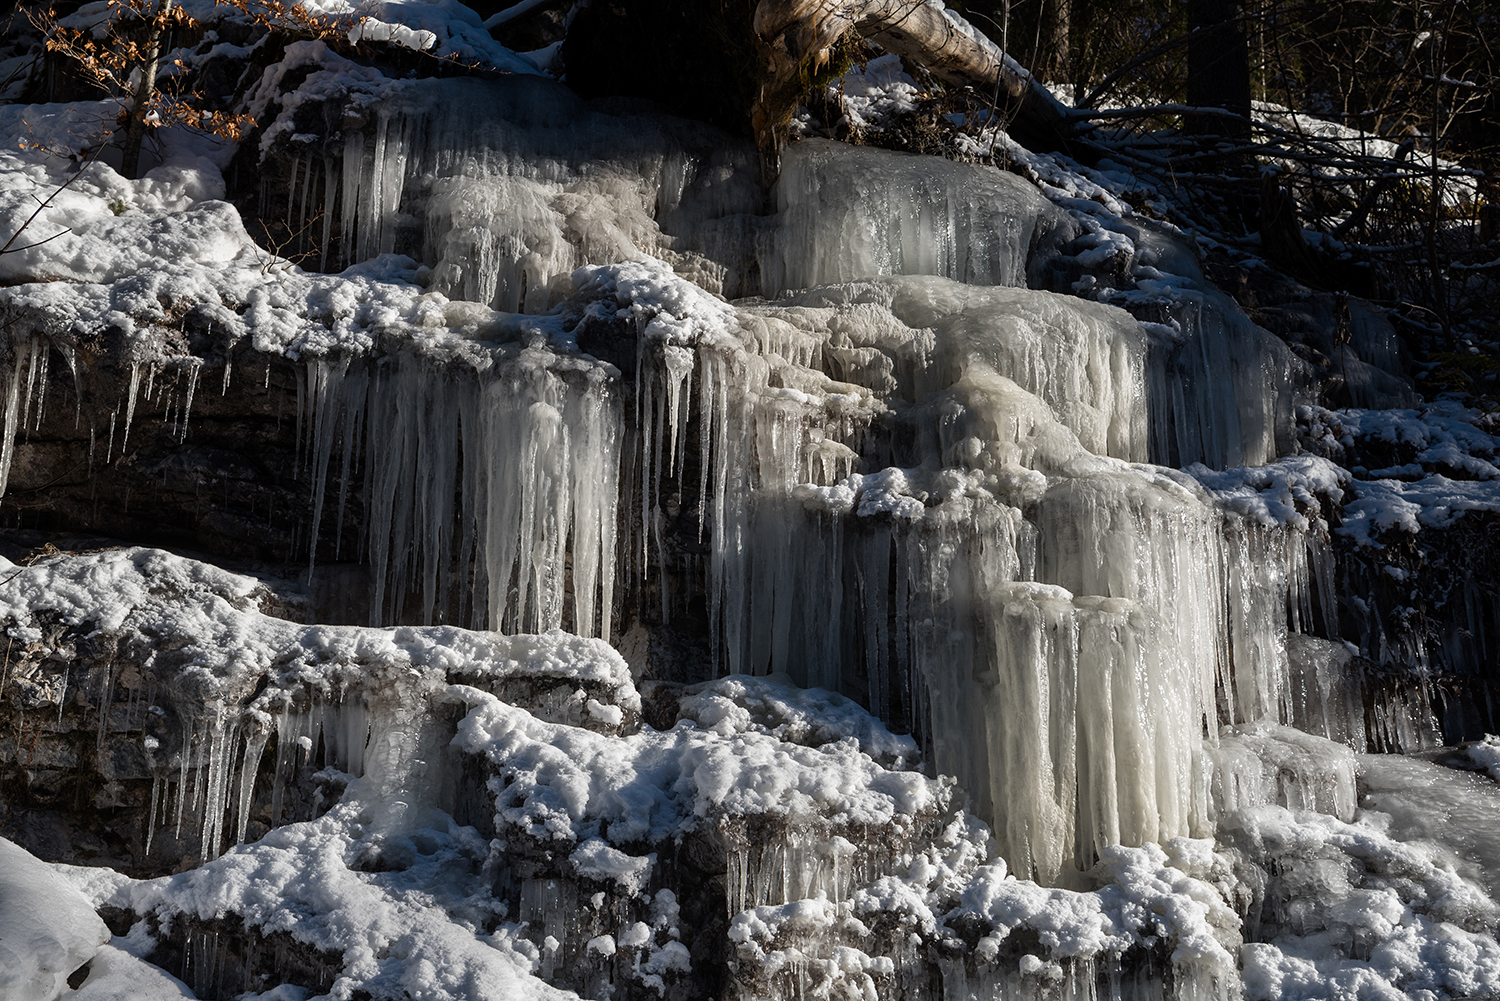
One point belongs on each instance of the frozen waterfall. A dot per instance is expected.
(926, 567)
(927, 489)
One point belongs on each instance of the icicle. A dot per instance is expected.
(254, 748)
(41, 362)
(291, 188)
(135, 383)
(12, 403)
(221, 741)
(287, 746)
(189, 736)
(106, 699)
(156, 786)
(187, 406)
(678, 373)
(31, 379)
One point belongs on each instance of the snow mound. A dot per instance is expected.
(47, 928)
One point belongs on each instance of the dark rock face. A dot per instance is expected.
(207, 458)
(224, 959)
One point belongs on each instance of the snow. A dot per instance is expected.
(1358, 914)
(445, 29)
(417, 932)
(1285, 492)
(117, 975)
(1438, 463)
(127, 254)
(47, 928)
(876, 92)
(1148, 894)
(811, 716)
(1434, 501)
(1423, 802)
(1443, 436)
(596, 860)
(1486, 754)
(555, 781)
(231, 644)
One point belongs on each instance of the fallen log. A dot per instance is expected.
(802, 35)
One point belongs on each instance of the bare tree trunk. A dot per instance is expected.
(802, 34)
(135, 129)
(1056, 66)
(1218, 67)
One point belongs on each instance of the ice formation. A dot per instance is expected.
(501, 188)
(996, 543)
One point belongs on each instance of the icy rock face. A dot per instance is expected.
(930, 491)
(1234, 384)
(1416, 542)
(172, 733)
(854, 212)
(1349, 699)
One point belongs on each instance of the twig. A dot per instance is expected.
(30, 219)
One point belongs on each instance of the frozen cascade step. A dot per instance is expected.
(242, 721)
(1425, 801)
(1395, 898)
(1263, 764)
